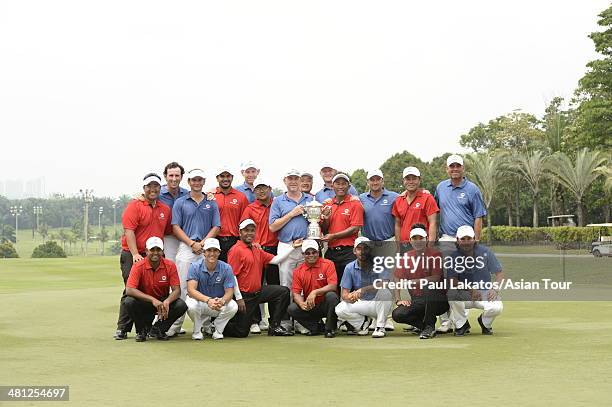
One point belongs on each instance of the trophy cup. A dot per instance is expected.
(313, 215)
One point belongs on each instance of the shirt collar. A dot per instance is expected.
(385, 192)
(461, 185)
(347, 198)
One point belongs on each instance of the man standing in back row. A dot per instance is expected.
(231, 204)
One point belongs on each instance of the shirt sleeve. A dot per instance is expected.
(177, 213)
(275, 212)
(431, 206)
(493, 264)
(173, 277)
(395, 209)
(266, 257)
(347, 281)
(332, 277)
(246, 213)
(216, 218)
(478, 206)
(168, 213)
(134, 279)
(296, 285)
(228, 282)
(353, 191)
(357, 214)
(129, 219)
(192, 274)
(233, 258)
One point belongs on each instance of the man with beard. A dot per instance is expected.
(314, 292)
(141, 219)
(473, 264)
(194, 219)
(231, 203)
(425, 304)
(361, 300)
(247, 261)
(173, 174)
(153, 288)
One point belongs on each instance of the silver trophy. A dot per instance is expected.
(312, 213)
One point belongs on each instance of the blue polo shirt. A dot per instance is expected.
(247, 191)
(195, 219)
(328, 193)
(378, 222)
(297, 227)
(482, 264)
(459, 205)
(167, 198)
(211, 284)
(355, 277)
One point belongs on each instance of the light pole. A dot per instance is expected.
(16, 212)
(115, 218)
(37, 213)
(87, 196)
(100, 211)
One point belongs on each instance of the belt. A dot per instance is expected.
(269, 247)
(338, 248)
(226, 238)
(197, 240)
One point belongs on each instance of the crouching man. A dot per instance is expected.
(153, 288)
(314, 292)
(210, 286)
(362, 297)
(473, 265)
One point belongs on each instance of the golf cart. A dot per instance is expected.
(603, 245)
(560, 220)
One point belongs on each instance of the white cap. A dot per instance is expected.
(360, 240)
(261, 181)
(246, 223)
(154, 241)
(411, 171)
(418, 232)
(341, 175)
(327, 164)
(375, 173)
(454, 158)
(152, 177)
(306, 174)
(224, 168)
(212, 243)
(249, 164)
(293, 172)
(465, 230)
(196, 172)
(309, 244)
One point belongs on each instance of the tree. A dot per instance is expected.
(8, 233)
(103, 238)
(44, 231)
(532, 167)
(48, 250)
(516, 131)
(577, 176)
(486, 171)
(594, 93)
(7, 250)
(359, 181)
(63, 237)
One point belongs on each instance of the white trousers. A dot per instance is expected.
(171, 245)
(354, 313)
(285, 270)
(200, 313)
(459, 311)
(184, 258)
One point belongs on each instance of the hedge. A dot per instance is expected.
(562, 234)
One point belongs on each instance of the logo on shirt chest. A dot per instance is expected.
(207, 206)
(417, 205)
(162, 279)
(218, 280)
(234, 201)
(162, 216)
(346, 212)
(461, 195)
(384, 202)
(321, 276)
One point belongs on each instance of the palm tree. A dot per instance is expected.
(486, 171)
(532, 167)
(577, 176)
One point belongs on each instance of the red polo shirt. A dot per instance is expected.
(146, 221)
(417, 211)
(231, 207)
(248, 263)
(429, 264)
(155, 283)
(260, 214)
(307, 279)
(343, 215)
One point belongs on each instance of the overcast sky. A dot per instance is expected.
(96, 94)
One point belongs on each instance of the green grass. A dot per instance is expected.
(58, 317)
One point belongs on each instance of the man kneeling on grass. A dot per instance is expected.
(210, 285)
(314, 292)
(148, 293)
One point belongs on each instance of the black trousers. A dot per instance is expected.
(271, 277)
(341, 256)
(143, 312)
(311, 319)
(276, 296)
(422, 311)
(126, 260)
(226, 243)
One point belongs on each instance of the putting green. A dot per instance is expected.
(58, 317)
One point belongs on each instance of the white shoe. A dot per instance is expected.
(254, 329)
(301, 329)
(217, 335)
(445, 327)
(197, 336)
(389, 325)
(379, 333)
(264, 325)
(363, 330)
(182, 332)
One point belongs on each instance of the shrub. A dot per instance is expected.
(558, 235)
(48, 250)
(7, 250)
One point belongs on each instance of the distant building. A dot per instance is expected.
(14, 188)
(35, 188)
(18, 189)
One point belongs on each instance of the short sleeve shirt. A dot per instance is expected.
(247, 264)
(476, 268)
(155, 283)
(459, 205)
(378, 221)
(417, 211)
(145, 220)
(297, 227)
(307, 279)
(344, 215)
(195, 219)
(426, 264)
(211, 284)
(231, 206)
(261, 214)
